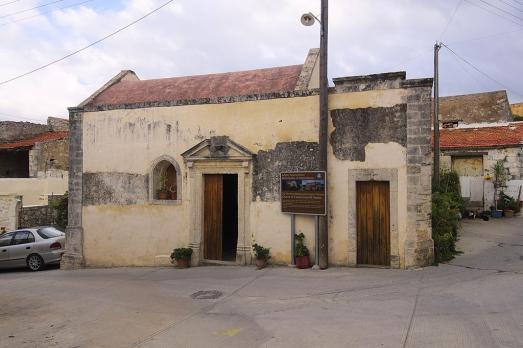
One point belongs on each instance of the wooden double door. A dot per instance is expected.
(220, 216)
(373, 222)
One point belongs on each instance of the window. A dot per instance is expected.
(5, 239)
(49, 232)
(23, 237)
(165, 176)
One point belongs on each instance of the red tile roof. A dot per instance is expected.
(278, 79)
(508, 135)
(40, 138)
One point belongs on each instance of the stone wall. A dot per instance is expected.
(514, 164)
(56, 124)
(38, 215)
(49, 159)
(12, 131)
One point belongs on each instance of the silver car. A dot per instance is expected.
(31, 247)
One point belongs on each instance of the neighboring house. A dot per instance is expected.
(472, 151)
(34, 164)
(517, 111)
(475, 108)
(219, 143)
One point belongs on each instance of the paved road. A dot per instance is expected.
(475, 301)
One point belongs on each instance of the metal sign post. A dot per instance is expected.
(304, 193)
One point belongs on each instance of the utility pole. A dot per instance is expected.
(437, 47)
(324, 113)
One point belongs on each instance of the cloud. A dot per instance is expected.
(204, 36)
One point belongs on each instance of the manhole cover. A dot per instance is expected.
(206, 295)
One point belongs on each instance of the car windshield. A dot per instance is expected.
(49, 232)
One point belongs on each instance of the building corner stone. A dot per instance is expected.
(419, 246)
(73, 257)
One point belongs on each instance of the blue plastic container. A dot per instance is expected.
(496, 213)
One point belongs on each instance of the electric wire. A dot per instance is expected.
(451, 18)
(510, 5)
(494, 13)
(500, 9)
(44, 13)
(86, 47)
(479, 38)
(481, 72)
(8, 3)
(30, 9)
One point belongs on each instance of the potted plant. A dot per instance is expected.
(301, 252)
(162, 192)
(182, 256)
(261, 255)
(173, 193)
(499, 181)
(508, 204)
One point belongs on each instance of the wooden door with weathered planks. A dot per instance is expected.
(212, 221)
(373, 223)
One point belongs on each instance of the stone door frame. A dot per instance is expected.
(196, 181)
(390, 175)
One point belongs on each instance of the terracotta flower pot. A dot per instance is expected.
(302, 262)
(162, 195)
(261, 263)
(183, 263)
(173, 195)
(508, 213)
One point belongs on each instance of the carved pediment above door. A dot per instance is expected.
(218, 148)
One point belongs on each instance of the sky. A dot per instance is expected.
(193, 37)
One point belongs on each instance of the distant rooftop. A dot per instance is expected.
(474, 108)
(494, 136)
(134, 90)
(30, 142)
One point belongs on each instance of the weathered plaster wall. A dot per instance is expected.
(33, 190)
(49, 159)
(10, 206)
(136, 137)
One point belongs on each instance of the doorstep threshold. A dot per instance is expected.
(218, 263)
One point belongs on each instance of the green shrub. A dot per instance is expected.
(505, 202)
(447, 204)
(301, 249)
(181, 253)
(518, 117)
(261, 253)
(60, 208)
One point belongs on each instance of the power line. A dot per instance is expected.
(485, 37)
(500, 9)
(510, 5)
(86, 47)
(44, 13)
(481, 72)
(494, 13)
(8, 3)
(451, 18)
(30, 9)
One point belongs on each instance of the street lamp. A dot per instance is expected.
(322, 256)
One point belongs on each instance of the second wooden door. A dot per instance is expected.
(373, 222)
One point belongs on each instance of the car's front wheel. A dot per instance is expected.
(35, 262)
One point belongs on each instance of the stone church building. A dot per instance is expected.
(195, 161)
